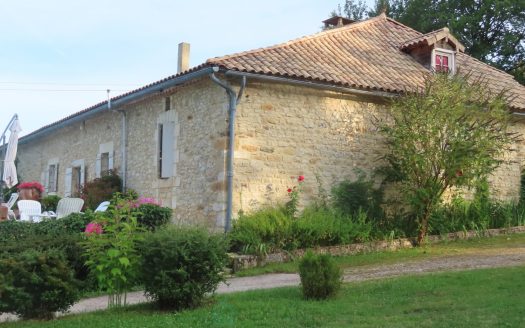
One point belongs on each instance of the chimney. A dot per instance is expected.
(337, 21)
(184, 57)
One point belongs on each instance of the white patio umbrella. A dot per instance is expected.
(9, 175)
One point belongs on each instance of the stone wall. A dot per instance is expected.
(285, 131)
(196, 189)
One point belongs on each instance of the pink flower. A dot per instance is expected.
(93, 227)
(145, 200)
(289, 189)
(300, 178)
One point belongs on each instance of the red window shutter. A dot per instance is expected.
(438, 61)
(445, 63)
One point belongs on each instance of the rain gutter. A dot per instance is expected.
(233, 99)
(311, 84)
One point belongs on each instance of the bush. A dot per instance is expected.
(100, 189)
(351, 197)
(320, 276)
(35, 284)
(261, 232)
(181, 265)
(152, 217)
(320, 226)
(49, 203)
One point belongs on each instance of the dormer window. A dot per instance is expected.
(443, 61)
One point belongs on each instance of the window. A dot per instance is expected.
(75, 178)
(167, 103)
(76, 182)
(443, 61)
(52, 178)
(104, 163)
(165, 150)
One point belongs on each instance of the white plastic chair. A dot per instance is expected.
(67, 206)
(12, 200)
(30, 210)
(102, 207)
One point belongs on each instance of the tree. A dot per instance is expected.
(353, 9)
(380, 6)
(448, 135)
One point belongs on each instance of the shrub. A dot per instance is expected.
(261, 232)
(320, 276)
(152, 217)
(100, 189)
(181, 265)
(321, 226)
(351, 197)
(49, 203)
(35, 284)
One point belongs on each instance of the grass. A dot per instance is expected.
(477, 298)
(445, 248)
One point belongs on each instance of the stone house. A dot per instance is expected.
(304, 107)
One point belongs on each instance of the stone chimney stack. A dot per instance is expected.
(184, 57)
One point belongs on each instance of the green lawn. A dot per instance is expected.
(388, 257)
(478, 298)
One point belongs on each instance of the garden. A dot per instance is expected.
(47, 266)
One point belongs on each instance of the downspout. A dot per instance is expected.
(234, 99)
(123, 140)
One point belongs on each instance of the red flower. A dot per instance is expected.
(289, 190)
(300, 178)
(32, 184)
(459, 173)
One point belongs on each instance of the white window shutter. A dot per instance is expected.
(110, 160)
(98, 166)
(44, 178)
(167, 149)
(82, 174)
(67, 182)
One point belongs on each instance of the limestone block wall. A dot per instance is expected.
(196, 191)
(285, 131)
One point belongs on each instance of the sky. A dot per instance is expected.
(59, 57)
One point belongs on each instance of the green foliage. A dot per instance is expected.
(152, 217)
(446, 136)
(320, 226)
(49, 203)
(35, 284)
(321, 277)
(261, 232)
(181, 265)
(353, 9)
(352, 197)
(112, 255)
(101, 189)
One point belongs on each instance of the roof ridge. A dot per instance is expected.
(303, 38)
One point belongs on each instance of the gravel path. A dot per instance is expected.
(473, 260)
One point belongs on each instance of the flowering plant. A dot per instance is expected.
(93, 227)
(33, 184)
(145, 200)
(293, 193)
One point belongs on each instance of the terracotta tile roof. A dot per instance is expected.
(432, 38)
(365, 55)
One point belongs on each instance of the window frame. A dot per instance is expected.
(450, 54)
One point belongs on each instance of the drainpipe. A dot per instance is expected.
(123, 140)
(234, 99)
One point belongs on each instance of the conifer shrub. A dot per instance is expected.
(35, 284)
(320, 276)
